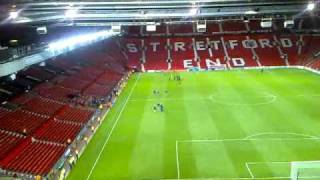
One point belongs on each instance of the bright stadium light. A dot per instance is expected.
(13, 15)
(193, 11)
(81, 40)
(251, 12)
(71, 13)
(311, 6)
(13, 77)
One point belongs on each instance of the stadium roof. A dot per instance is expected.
(102, 13)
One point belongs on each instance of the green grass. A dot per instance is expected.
(215, 124)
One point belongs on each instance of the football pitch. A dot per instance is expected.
(215, 125)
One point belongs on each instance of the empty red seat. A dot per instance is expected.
(42, 106)
(75, 115)
(58, 131)
(36, 158)
(8, 140)
(59, 93)
(21, 121)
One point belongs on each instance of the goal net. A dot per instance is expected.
(305, 170)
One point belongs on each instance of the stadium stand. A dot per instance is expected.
(33, 156)
(42, 106)
(268, 53)
(74, 115)
(264, 49)
(46, 119)
(21, 121)
(58, 131)
(52, 105)
(8, 140)
(234, 26)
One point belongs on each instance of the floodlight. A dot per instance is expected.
(13, 15)
(266, 22)
(201, 26)
(116, 28)
(42, 64)
(13, 77)
(193, 11)
(251, 12)
(288, 23)
(151, 27)
(81, 40)
(71, 13)
(42, 30)
(311, 6)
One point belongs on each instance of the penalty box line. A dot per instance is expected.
(247, 164)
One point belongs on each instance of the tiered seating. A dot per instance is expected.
(312, 45)
(21, 121)
(97, 90)
(116, 65)
(134, 53)
(74, 83)
(59, 93)
(255, 26)
(268, 50)
(42, 106)
(292, 52)
(212, 27)
(4, 112)
(109, 77)
(178, 55)
(238, 51)
(233, 26)
(314, 63)
(8, 140)
(92, 71)
(75, 115)
(268, 56)
(34, 135)
(217, 53)
(133, 30)
(86, 77)
(43, 86)
(58, 79)
(58, 131)
(156, 59)
(21, 99)
(181, 28)
(36, 158)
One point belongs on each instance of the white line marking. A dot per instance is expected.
(237, 178)
(249, 170)
(113, 127)
(177, 159)
(259, 139)
(270, 162)
(280, 133)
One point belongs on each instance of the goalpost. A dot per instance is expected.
(305, 170)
